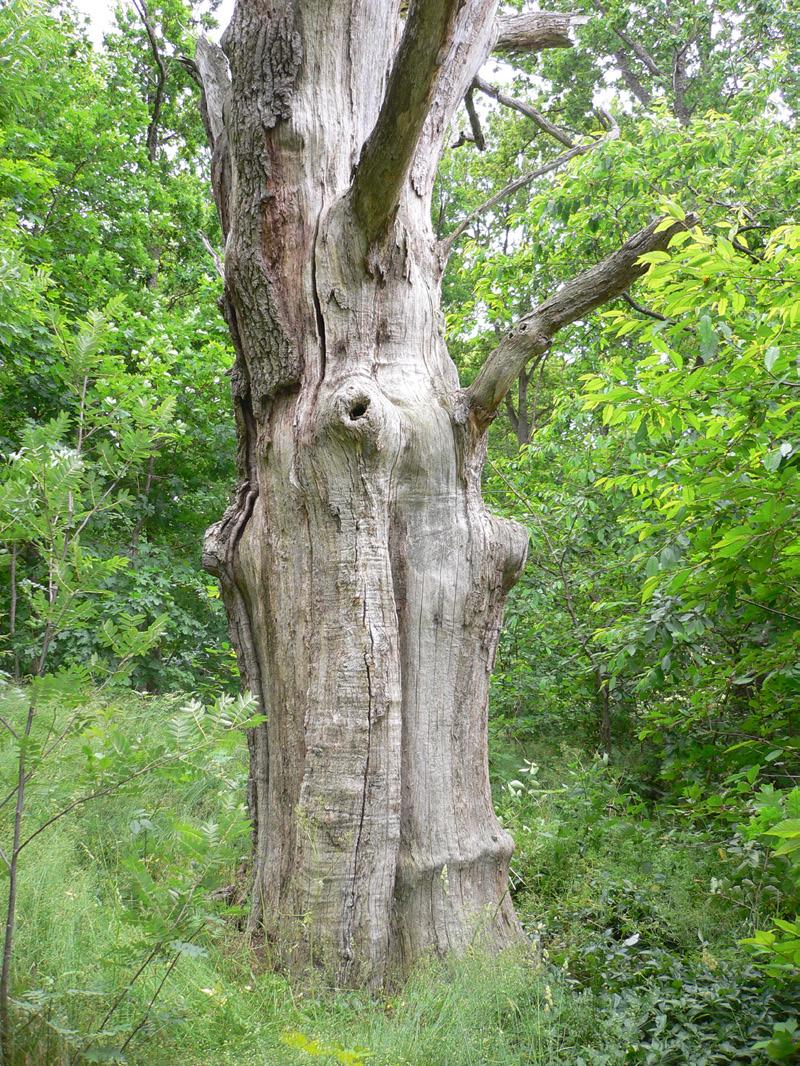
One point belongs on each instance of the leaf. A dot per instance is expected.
(655, 257)
(788, 828)
(789, 847)
(649, 587)
(184, 947)
(673, 208)
(787, 927)
(773, 459)
(708, 338)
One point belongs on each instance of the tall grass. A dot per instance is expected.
(628, 942)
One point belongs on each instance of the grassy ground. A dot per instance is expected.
(635, 960)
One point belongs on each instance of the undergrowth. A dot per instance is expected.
(634, 955)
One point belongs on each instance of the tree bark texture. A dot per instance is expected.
(363, 576)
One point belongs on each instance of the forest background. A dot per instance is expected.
(646, 696)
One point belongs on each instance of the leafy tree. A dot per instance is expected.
(88, 216)
(62, 479)
(659, 471)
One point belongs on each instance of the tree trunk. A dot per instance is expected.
(364, 579)
(363, 576)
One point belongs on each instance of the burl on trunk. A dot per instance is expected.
(363, 576)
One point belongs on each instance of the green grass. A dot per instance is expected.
(219, 1008)
(635, 962)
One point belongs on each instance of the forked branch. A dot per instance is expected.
(542, 121)
(533, 334)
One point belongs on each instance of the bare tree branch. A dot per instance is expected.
(160, 79)
(576, 298)
(629, 300)
(642, 94)
(462, 139)
(389, 150)
(446, 245)
(527, 32)
(533, 31)
(635, 46)
(640, 53)
(680, 83)
(211, 71)
(474, 122)
(541, 120)
(214, 77)
(219, 263)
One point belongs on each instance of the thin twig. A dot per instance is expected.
(626, 296)
(526, 109)
(519, 183)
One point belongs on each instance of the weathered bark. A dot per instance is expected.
(533, 31)
(363, 576)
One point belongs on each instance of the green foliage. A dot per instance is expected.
(93, 210)
(634, 961)
(67, 477)
(629, 911)
(131, 834)
(713, 485)
(316, 1049)
(657, 473)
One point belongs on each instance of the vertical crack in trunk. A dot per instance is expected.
(318, 315)
(365, 784)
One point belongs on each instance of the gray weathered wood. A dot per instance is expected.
(364, 578)
(534, 31)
